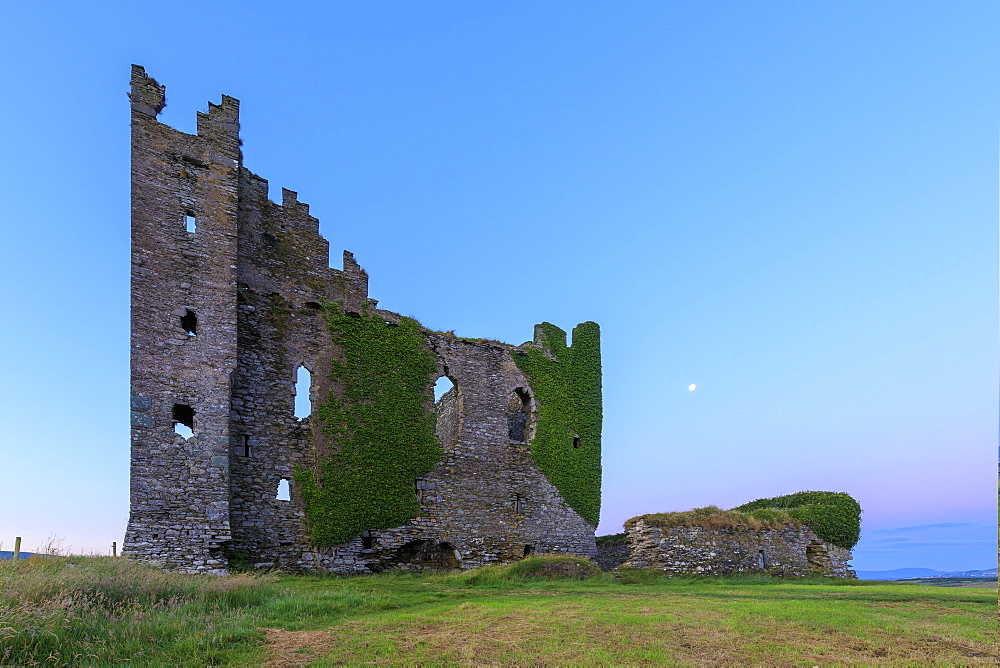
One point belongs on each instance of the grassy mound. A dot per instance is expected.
(547, 567)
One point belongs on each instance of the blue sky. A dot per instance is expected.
(792, 205)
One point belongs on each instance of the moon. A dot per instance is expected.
(691, 387)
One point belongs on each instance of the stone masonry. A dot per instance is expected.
(227, 296)
(789, 551)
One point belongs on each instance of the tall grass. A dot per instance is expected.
(101, 610)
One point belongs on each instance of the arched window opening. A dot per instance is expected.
(442, 386)
(284, 492)
(190, 222)
(518, 412)
(183, 420)
(189, 322)
(303, 392)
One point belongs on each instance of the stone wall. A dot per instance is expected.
(224, 315)
(789, 551)
(611, 555)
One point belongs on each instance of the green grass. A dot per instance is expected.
(100, 611)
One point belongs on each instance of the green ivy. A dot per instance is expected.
(379, 425)
(568, 392)
(833, 516)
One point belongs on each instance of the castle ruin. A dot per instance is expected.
(233, 301)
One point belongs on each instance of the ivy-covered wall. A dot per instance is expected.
(833, 516)
(380, 431)
(567, 442)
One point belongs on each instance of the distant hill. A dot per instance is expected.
(905, 573)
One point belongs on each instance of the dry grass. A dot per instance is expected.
(713, 516)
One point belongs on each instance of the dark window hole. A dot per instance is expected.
(189, 321)
(576, 441)
(246, 445)
(313, 305)
(155, 536)
(366, 540)
(528, 549)
(518, 504)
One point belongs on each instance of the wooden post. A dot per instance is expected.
(114, 548)
(17, 548)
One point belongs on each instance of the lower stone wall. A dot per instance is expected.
(789, 551)
(611, 556)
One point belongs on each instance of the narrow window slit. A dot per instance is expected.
(246, 445)
(518, 505)
(303, 391)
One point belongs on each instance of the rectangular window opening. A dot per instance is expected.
(246, 445)
(190, 222)
(518, 505)
(183, 420)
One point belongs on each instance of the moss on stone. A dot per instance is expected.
(379, 425)
(567, 441)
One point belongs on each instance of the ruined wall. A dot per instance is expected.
(790, 551)
(180, 488)
(254, 278)
(611, 555)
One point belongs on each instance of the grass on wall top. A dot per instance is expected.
(833, 516)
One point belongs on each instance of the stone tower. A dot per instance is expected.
(233, 302)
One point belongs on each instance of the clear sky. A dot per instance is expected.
(791, 204)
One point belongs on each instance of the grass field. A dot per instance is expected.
(100, 611)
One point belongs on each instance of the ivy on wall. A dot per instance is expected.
(567, 441)
(380, 430)
(833, 516)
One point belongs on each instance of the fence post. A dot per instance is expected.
(114, 548)
(17, 548)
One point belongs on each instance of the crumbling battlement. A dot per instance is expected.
(233, 301)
